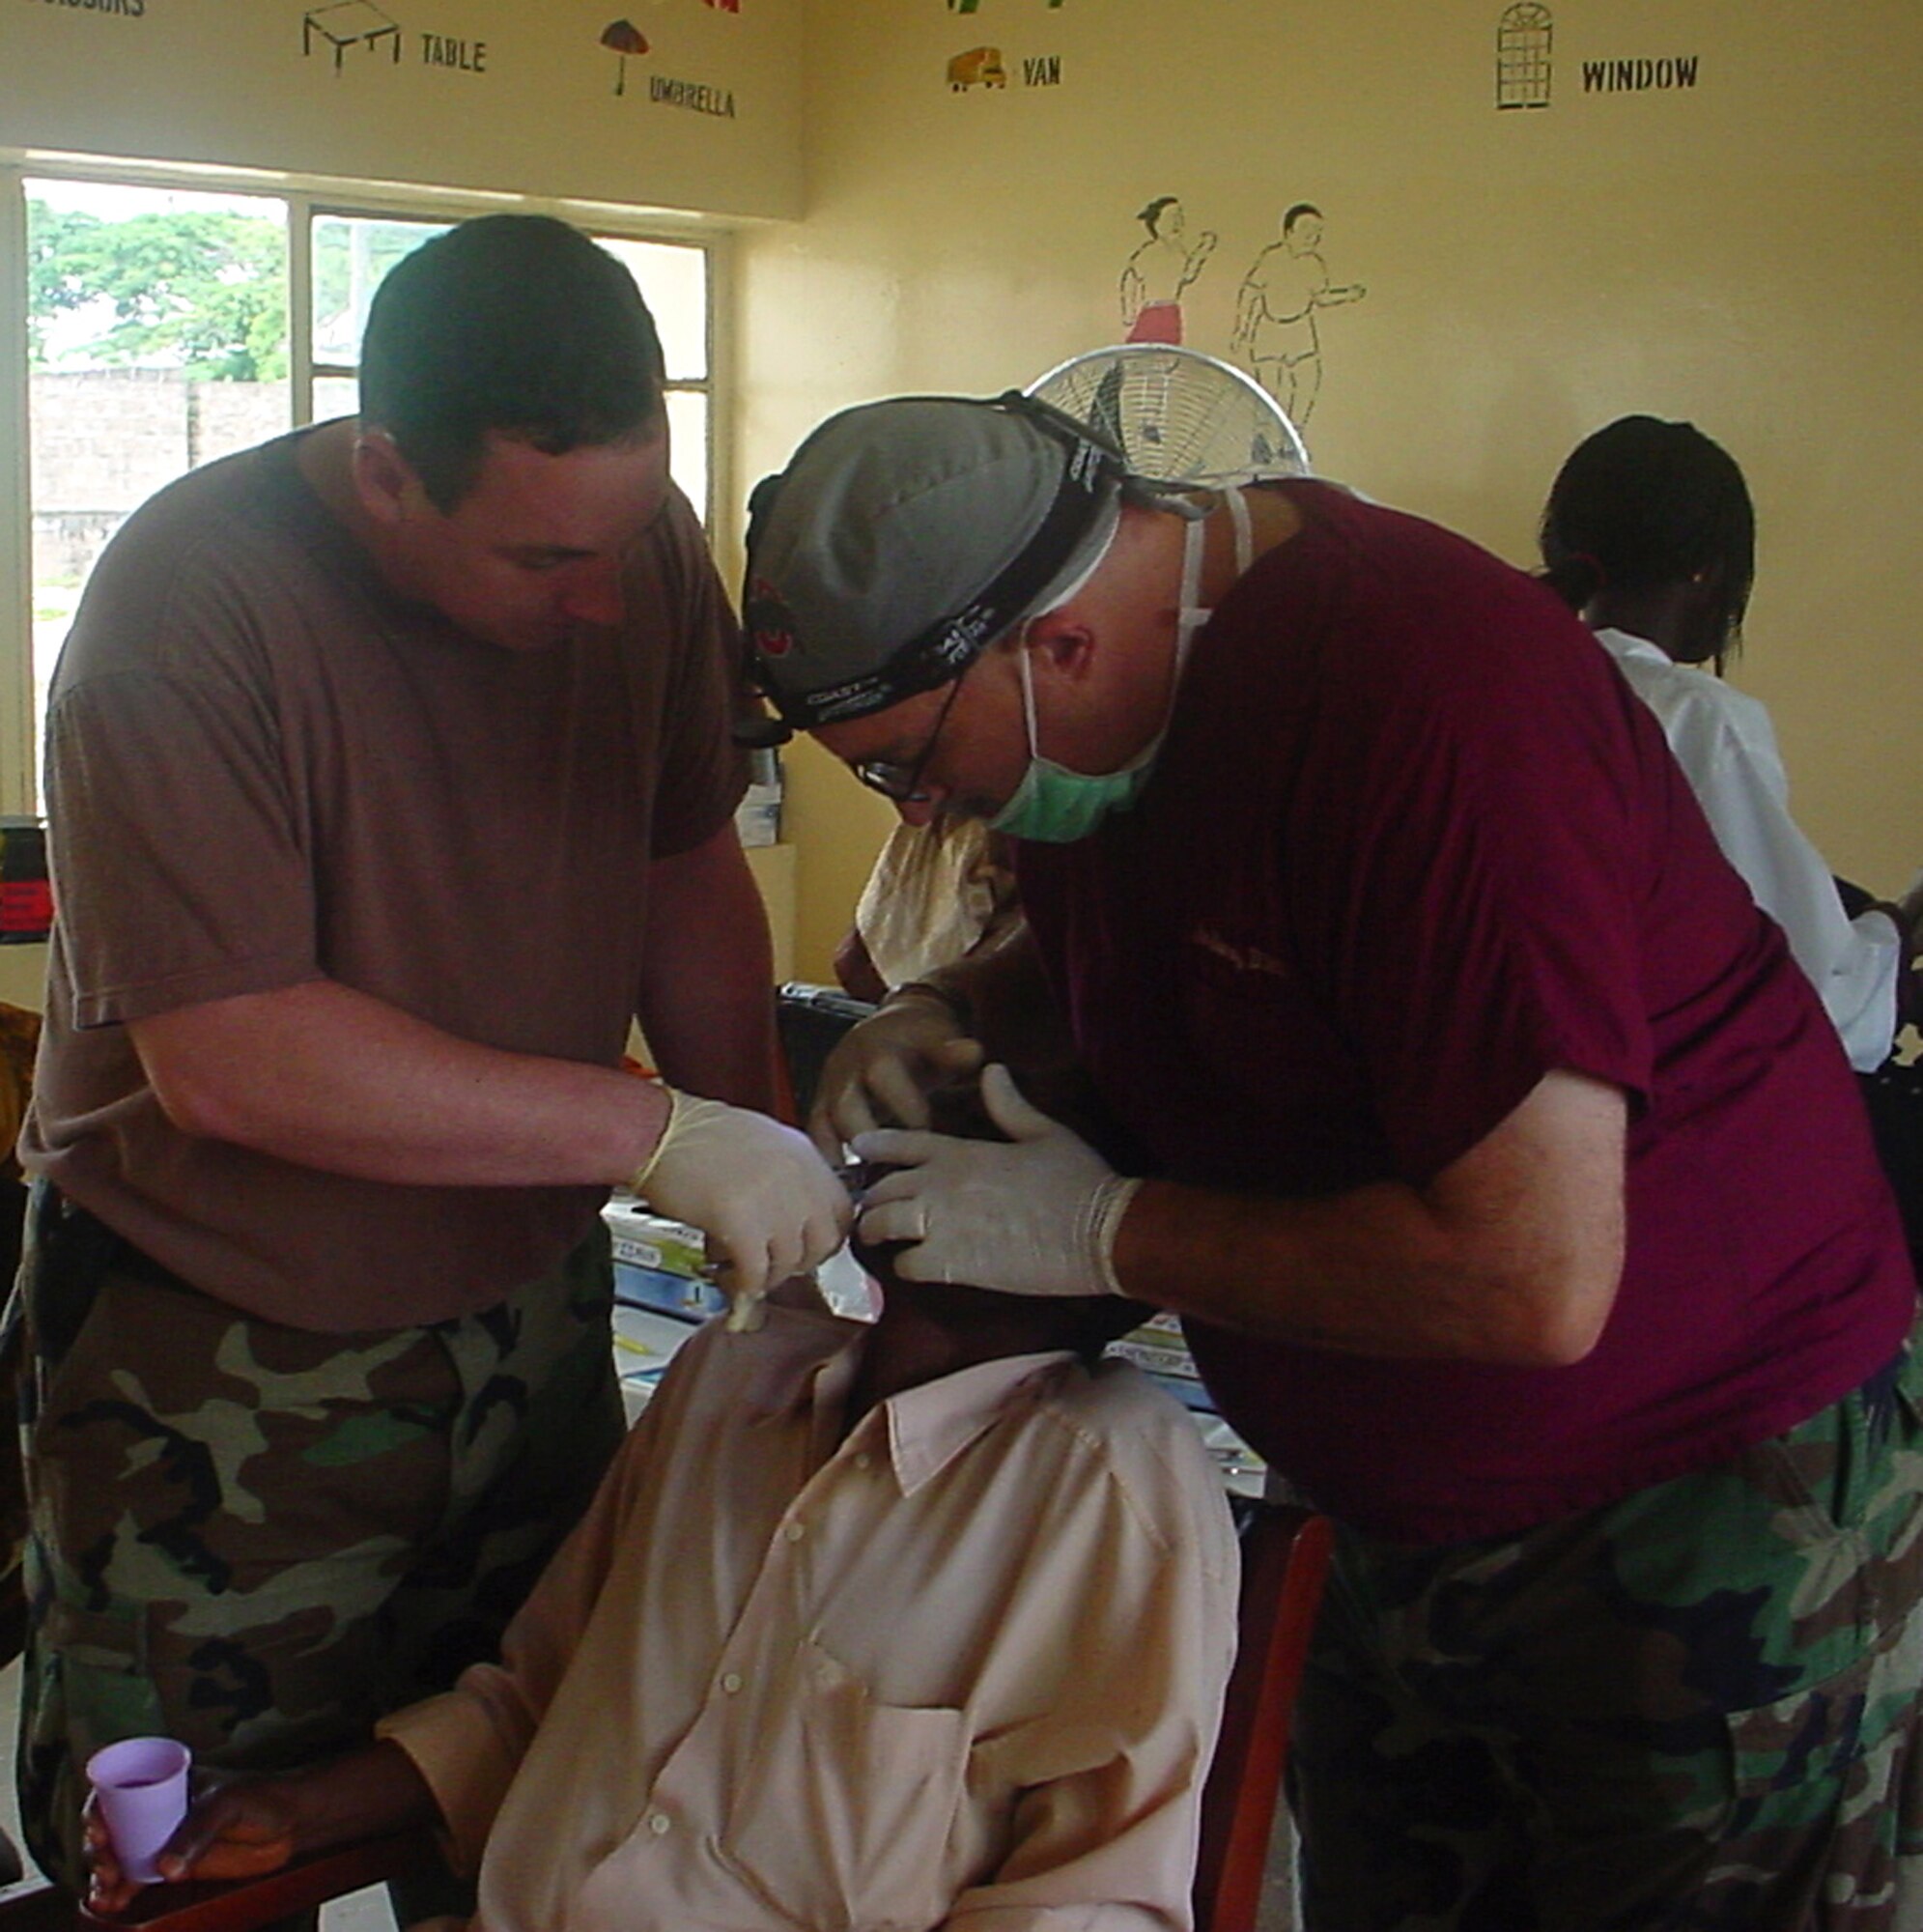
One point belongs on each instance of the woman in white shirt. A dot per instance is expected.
(1649, 534)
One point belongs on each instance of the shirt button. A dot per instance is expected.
(658, 1823)
(731, 1682)
(794, 1532)
(864, 1460)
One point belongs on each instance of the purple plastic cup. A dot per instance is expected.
(142, 1787)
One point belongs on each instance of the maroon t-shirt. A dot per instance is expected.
(1411, 845)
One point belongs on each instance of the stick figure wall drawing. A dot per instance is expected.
(1154, 277)
(1275, 313)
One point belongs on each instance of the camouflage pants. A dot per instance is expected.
(1695, 1709)
(258, 1538)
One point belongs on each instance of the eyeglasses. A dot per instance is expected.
(901, 784)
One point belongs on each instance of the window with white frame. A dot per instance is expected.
(169, 323)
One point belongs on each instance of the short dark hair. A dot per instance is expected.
(1152, 214)
(1296, 213)
(510, 322)
(1645, 503)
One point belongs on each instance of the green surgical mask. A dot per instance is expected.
(1055, 806)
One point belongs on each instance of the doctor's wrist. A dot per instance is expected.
(1106, 1207)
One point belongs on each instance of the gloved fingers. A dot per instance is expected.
(1009, 1110)
(823, 1235)
(826, 1199)
(739, 1260)
(784, 1255)
(899, 1183)
(901, 1096)
(922, 1263)
(746, 1314)
(905, 1219)
(896, 1147)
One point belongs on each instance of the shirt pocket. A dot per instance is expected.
(843, 1816)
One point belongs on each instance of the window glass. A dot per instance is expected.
(674, 280)
(158, 340)
(688, 448)
(335, 396)
(351, 254)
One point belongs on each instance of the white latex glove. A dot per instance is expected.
(882, 1069)
(758, 1190)
(1032, 1215)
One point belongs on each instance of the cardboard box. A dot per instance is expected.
(1160, 1347)
(649, 1240)
(667, 1293)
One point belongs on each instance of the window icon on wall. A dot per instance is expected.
(1523, 36)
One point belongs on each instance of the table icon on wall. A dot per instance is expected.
(1523, 38)
(349, 23)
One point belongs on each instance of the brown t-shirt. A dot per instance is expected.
(262, 769)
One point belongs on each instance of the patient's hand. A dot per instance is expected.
(251, 1826)
(240, 1831)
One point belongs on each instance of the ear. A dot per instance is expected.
(1062, 643)
(384, 480)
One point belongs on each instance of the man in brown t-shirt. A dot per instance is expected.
(389, 777)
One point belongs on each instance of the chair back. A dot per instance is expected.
(1285, 1563)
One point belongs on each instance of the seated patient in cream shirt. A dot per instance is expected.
(905, 1626)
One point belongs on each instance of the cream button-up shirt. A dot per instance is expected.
(964, 1668)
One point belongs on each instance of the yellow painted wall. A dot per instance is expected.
(1742, 252)
(472, 94)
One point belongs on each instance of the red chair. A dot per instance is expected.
(1285, 1563)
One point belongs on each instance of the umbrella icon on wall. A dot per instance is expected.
(625, 38)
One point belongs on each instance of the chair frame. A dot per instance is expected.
(1286, 1553)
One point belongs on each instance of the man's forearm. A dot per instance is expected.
(365, 1795)
(707, 998)
(1512, 1256)
(328, 1077)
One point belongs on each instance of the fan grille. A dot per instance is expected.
(1177, 416)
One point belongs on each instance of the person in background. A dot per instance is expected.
(927, 1624)
(1648, 535)
(1502, 1165)
(936, 894)
(389, 777)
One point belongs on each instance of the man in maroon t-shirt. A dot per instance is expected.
(1509, 1182)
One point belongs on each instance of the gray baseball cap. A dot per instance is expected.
(906, 535)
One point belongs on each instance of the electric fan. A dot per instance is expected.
(1178, 415)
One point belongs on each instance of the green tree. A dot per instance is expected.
(206, 292)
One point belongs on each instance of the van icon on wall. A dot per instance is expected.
(980, 66)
